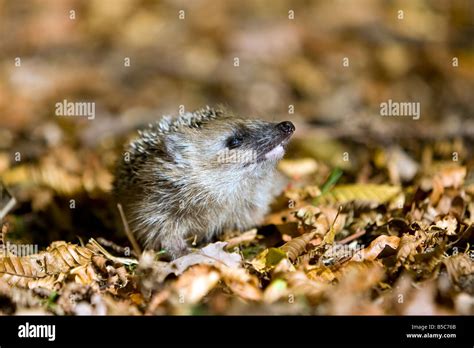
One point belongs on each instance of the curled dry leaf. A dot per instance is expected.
(449, 224)
(407, 248)
(267, 259)
(312, 219)
(297, 246)
(85, 274)
(426, 261)
(376, 247)
(308, 215)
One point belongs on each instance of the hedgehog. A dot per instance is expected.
(194, 176)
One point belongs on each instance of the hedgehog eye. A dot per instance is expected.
(234, 141)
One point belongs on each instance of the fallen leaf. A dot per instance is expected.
(212, 254)
(358, 192)
(376, 247)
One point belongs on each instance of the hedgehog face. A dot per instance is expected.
(232, 144)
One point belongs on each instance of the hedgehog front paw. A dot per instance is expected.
(175, 247)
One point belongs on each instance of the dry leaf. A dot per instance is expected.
(195, 283)
(358, 192)
(449, 224)
(50, 268)
(298, 168)
(297, 246)
(376, 247)
(211, 254)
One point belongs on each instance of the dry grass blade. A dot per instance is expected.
(130, 236)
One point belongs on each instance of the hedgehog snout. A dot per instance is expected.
(286, 127)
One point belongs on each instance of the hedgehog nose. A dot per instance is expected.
(286, 127)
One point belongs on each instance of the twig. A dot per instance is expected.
(4, 209)
(129, 234)
(124, 260)
(115, 247)
(352, 237)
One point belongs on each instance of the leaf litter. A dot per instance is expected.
(336, 259)
(389, 230)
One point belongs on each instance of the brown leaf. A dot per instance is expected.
(407, 248)
(195, 283)
(298, 168)
(449, 224)
(359, 192)
(376, 247)
(300, 284)
(51, 267)
(211, 254)
(297, 246)
(244, 238)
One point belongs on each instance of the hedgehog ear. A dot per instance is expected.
(174, 146)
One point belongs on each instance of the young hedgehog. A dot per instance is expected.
(199, 174)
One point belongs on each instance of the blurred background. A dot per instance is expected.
(325, 65)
